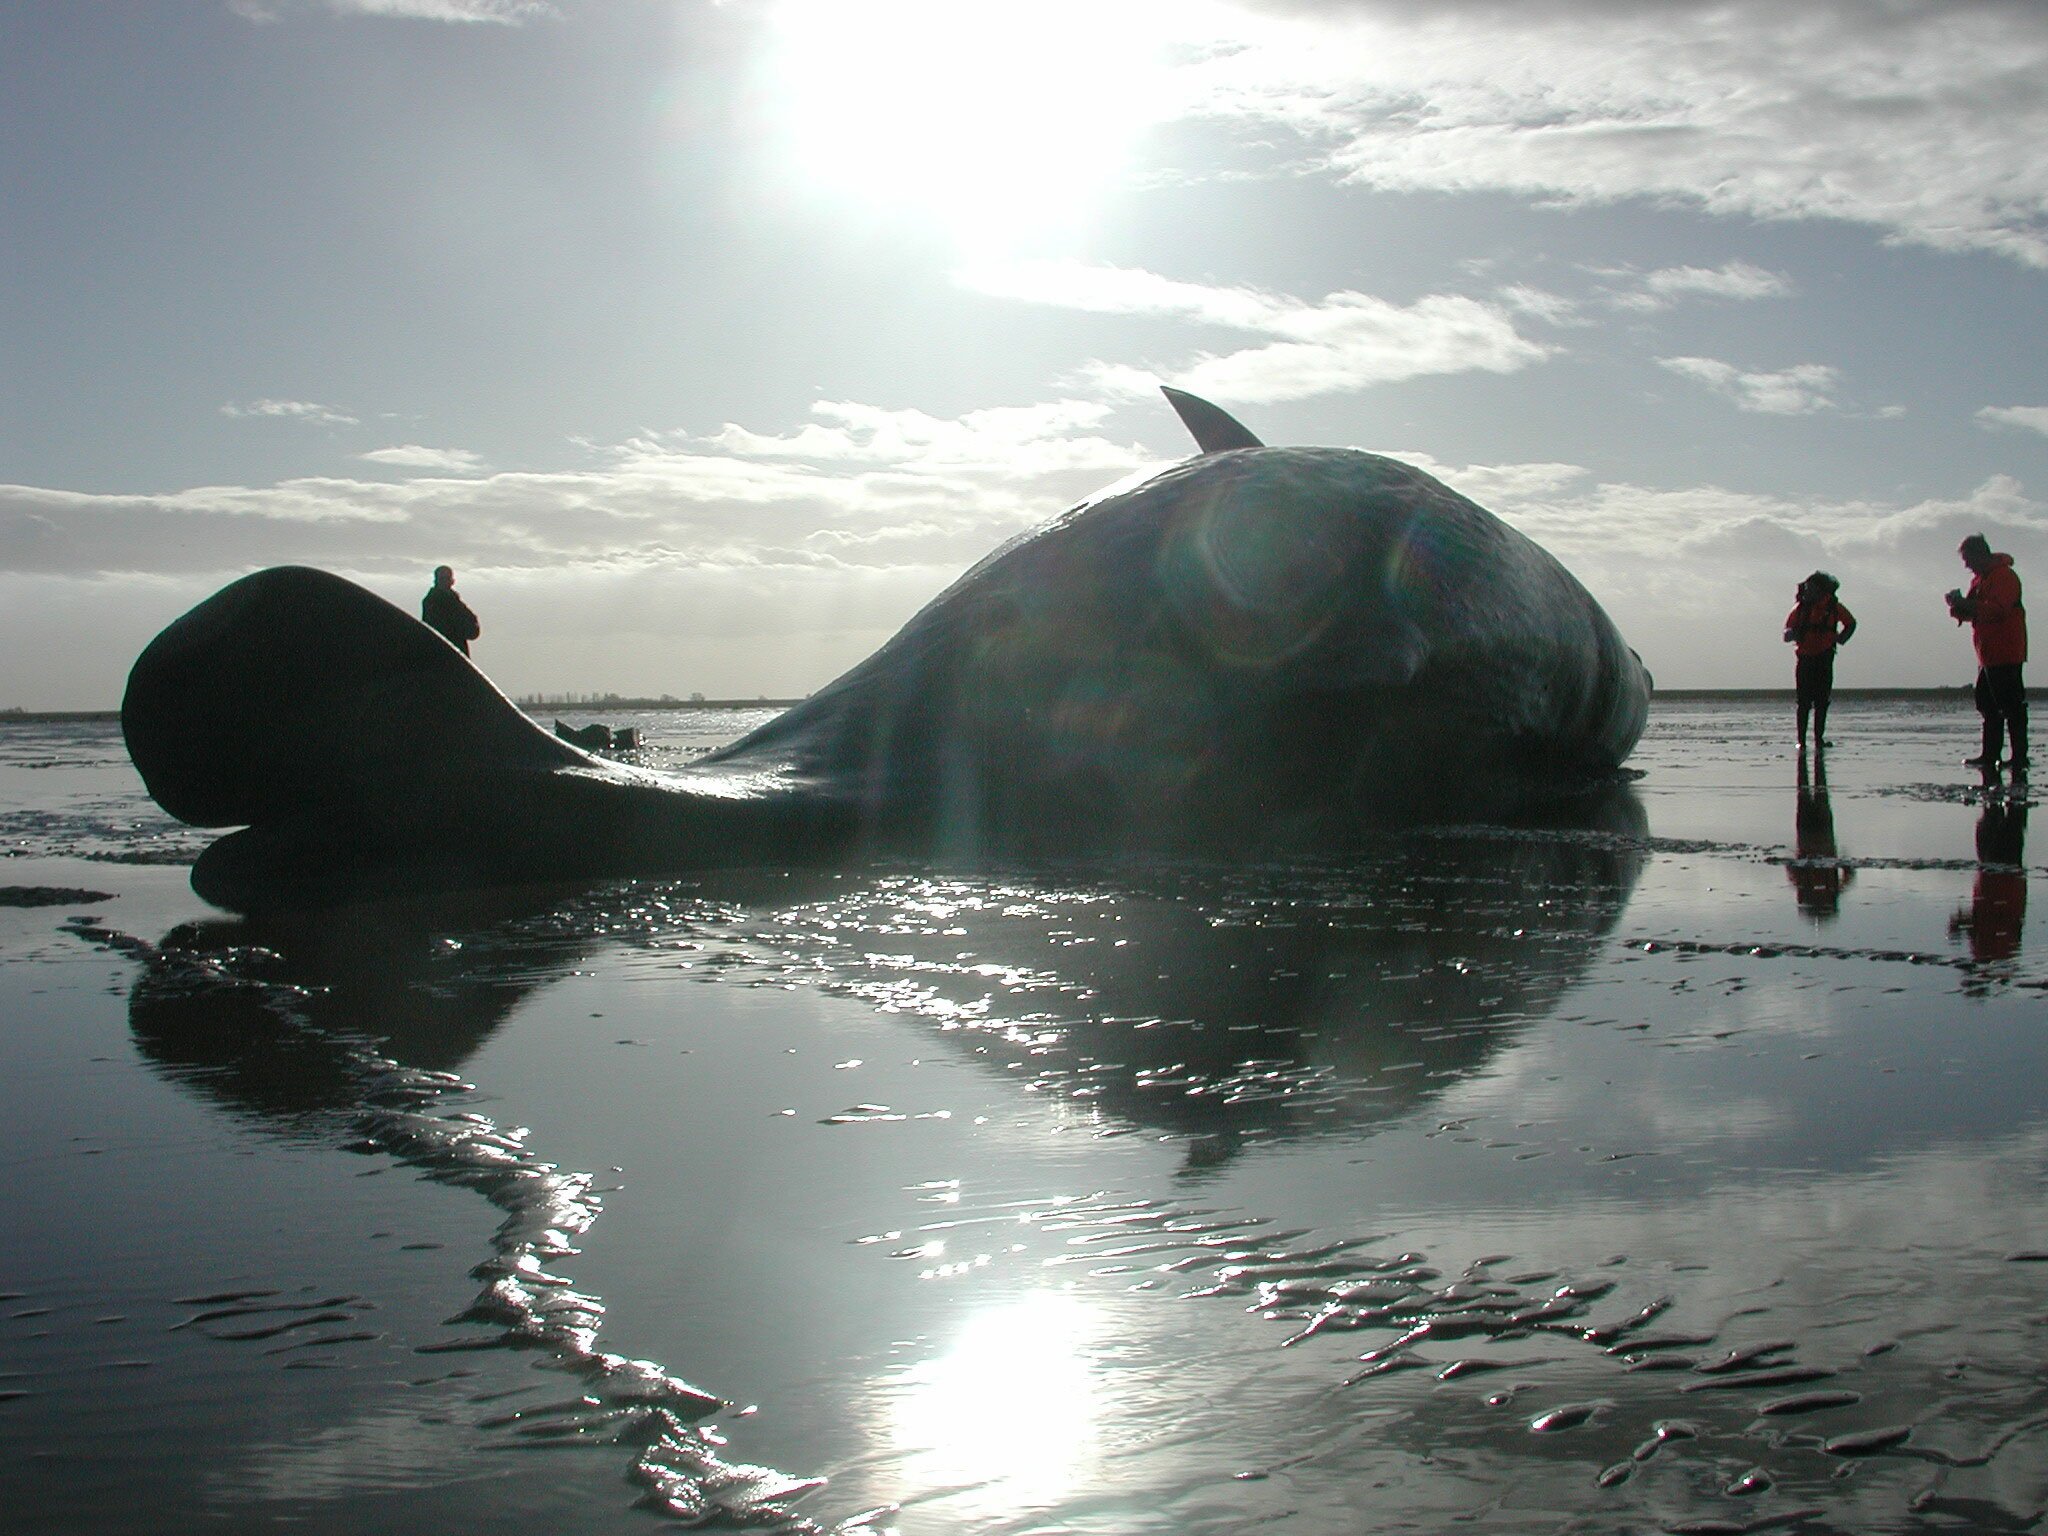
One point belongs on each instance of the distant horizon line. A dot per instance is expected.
(597, 703)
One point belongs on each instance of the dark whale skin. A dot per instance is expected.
(1258, 651)
(1258, 647)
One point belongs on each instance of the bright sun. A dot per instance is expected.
(992, 120)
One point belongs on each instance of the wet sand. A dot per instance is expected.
(1676, 1169)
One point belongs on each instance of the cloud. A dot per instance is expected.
(1665, 286)
(1004, 441)
(1797, 391)
(739, 563)
(291, 410)
(1502, 485)
(1070, 284)
(744, 561)
(1539, 304)
(1917, 117)
(862, 486)
(2033, 418)
(503, 12)
(1340, 343)
(414, 456)
(1699, 578)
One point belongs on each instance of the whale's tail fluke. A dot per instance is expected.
(1214, 429)
(292, 685)
(366, 757)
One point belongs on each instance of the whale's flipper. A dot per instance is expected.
(1214, 429)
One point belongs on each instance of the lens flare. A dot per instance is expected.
(1254, 591)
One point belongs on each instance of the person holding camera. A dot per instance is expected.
(1998, 627)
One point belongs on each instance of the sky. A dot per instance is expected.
(708, 339)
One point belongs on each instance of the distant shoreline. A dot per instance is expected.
(1954, 691)
(614, 706)
(599, 706)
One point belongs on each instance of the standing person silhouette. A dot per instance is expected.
(1816, 628)
(1998, 628)
(446, 614)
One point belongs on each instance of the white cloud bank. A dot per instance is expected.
(736, 563)
(743, 562)
(2029, 418)
(1666, 286)
(1700, 578)
(1921, 118)
(1797, 391)
(1342, 342)
(290, 410)
(417, 456)
(503, 12)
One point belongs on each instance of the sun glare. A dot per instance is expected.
(1013, 1404)
(990, 120)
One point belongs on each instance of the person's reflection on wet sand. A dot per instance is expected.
(1817, 874)
(1998, 897)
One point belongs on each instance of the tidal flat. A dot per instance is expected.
(1677, 1166)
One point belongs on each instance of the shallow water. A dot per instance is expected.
(1680, 1170)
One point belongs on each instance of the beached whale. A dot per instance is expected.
(1258, 650)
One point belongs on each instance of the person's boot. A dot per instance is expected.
(1988, 758)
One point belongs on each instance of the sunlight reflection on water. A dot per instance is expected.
(1009, 1407)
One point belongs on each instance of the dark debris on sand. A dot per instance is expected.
(48, 896)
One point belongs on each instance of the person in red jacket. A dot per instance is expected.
(1815, 629)
(1998, 625)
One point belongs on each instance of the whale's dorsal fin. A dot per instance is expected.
(1215, 430)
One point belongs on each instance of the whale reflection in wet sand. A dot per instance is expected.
(1203, 1000)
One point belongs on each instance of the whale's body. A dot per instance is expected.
(1258, 649)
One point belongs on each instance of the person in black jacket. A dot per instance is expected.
(446, 614)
